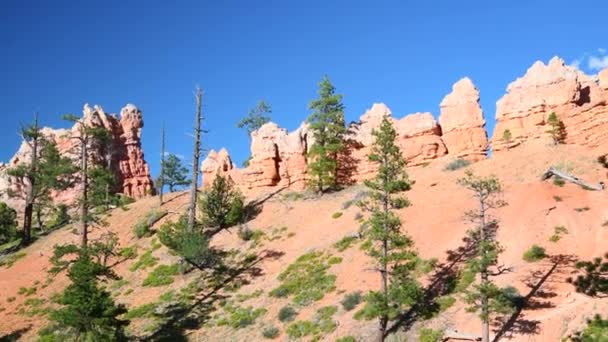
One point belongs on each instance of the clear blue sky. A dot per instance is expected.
(57, 55)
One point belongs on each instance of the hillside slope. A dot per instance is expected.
(298, 224)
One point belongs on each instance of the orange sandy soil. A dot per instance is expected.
(435, 222)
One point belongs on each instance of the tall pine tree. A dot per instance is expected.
(385, 242)
(485, 297)
(328, 127)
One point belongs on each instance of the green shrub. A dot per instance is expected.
(430, 335)
(347, 339)
(142, 227)
(300, 329)
(445, 302)
(559, 181)
(128, 252)
(27, 291)
(306, 279)
(336, 215)
(323, 324)
(240, 317)
(9, 260)
(558, 231)
(270, 333)
(535, 253)
(595, 331)
(345, 243)
(59, 217)
(8, 223)
(457, 164)
(557, 198)
(162, 275)
(555, 238)
(141, 311)
(145, 260)
(351, 301)
(287, 314)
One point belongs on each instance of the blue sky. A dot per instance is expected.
(57, 55)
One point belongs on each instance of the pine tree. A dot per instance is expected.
(8, 223)
(87, 136)
(160, 182)
(88, 312)
(391, 249)
(506, 137)
(175, 173)
(485, 297)
(256, 118)
(222, 205)
(47, 170)
(556, 128)
(328, 128)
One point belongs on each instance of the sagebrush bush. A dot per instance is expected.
(351, 300)
(142, 227)
(430, 335)
(457, 164)
(535, 253)
(270, 333)
(287, 314)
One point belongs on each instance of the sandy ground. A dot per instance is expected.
(435, 222)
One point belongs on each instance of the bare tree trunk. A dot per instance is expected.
(485, 321)
(31, 178)
(161, 186)
(195, 159)
(84, 209)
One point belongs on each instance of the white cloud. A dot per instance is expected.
(601, 51)
(598, 62)
(576, 63)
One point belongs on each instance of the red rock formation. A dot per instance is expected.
(123, 155)
(580, 101)
(462, 122)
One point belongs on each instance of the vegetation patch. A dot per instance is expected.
(322, 324)
(270, 333)
(345, 243)
(128, 252)
(535, 253)
(142, 227)
(34, 307)
(457, 164)
(558, 181)
(9, 260)
(141, 311)
(145, 260)
(27, 291)
(430, 335)
(582, 209)
(347, 339)
(445, 302)
(287, 314)
(336, 215)
(307, 279)
(351, 300)
(162, 275)
(240, 317)
(558, 231)
(557, 198)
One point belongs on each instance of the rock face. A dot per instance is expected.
(579, 100)
(124, 155)
(462, 122)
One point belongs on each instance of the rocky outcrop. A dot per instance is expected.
(123, 155)
(580, 102)
(462, 122)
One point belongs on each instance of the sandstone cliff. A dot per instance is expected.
(579, 100)
(124, 155)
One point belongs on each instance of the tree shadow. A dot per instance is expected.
(517, 324)
(15, 335)
(192, 316)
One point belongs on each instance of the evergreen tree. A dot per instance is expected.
(222, 205)
(391, 249)
(88, 136)
(88, 312)
(175, 173)
(328, 128)
(47, 170)
(556, 128)
(160, 181)
(102, 183)
(256, 118)
(486, 298)
(8, 223)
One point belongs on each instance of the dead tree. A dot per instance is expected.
(161, 179)
(195, 158)
(572, 179)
